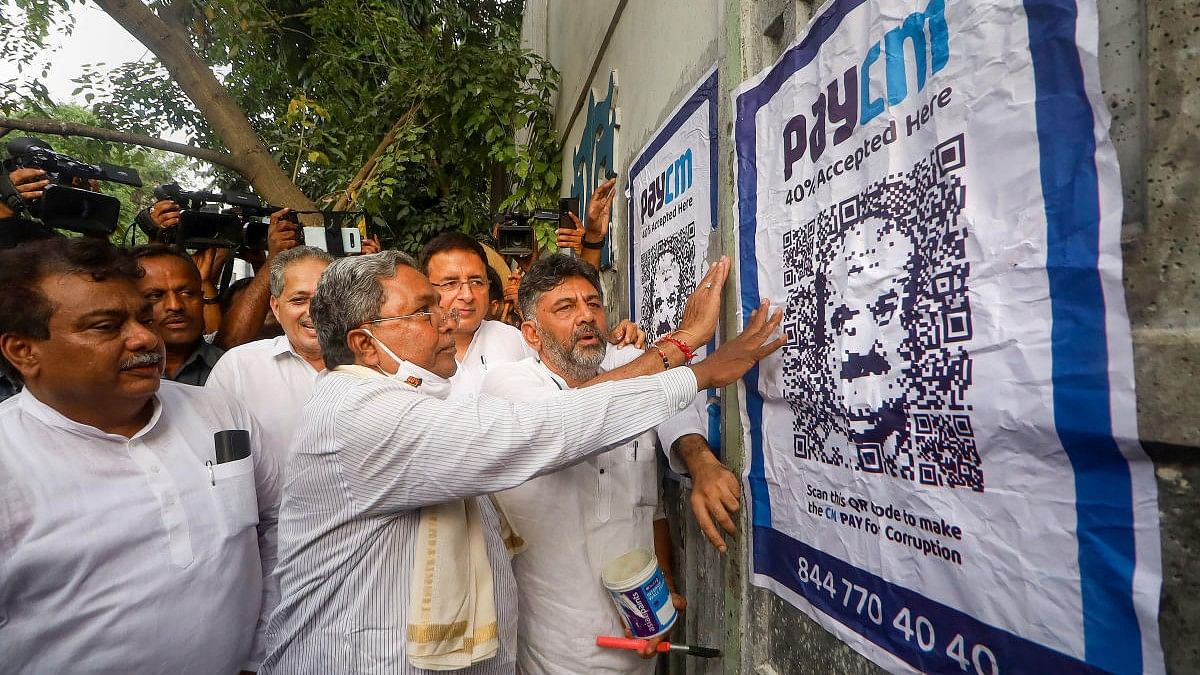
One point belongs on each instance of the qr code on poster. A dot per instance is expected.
(876, 368)
(668, 277)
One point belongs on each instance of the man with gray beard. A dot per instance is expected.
(575, 520)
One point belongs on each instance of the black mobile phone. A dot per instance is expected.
(567, 205)
(231, 445)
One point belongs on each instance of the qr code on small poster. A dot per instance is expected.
(876, 368)
(668, 277)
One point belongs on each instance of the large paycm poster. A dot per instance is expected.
(943, 465)
(672, 202)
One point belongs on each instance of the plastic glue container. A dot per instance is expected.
(637, 587)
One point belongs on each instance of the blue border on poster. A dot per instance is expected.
(1104, 504)
(705, 93)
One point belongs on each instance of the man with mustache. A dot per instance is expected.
(602, 507)
(667, 293)
(126, 546)
(457, 267)
(172, 284)
(389, 560)
(275, 377)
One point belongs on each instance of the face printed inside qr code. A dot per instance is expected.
(668, 276)
(876, 368)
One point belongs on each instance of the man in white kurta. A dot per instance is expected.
(124, 546)
(274, 377)
(576, 520)
(456, 265)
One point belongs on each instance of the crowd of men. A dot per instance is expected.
(412, 484)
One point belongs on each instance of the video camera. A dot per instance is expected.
(62, 205)
(204, 224)
(516, 237)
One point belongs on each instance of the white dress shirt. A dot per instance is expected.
(575, 521)
(121, 554)
(369, 453)
(494, 343)
(273, 381)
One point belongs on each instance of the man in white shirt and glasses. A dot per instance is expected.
(389, 561)
(456, 265)
(125, 544)
(275, 377)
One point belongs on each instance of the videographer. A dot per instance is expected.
(28, 183)
(243, 320)
(60, 191)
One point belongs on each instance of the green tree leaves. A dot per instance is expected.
(323, 81)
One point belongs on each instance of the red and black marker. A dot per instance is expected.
(634, 645)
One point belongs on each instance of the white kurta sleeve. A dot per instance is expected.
(400, 451)
(268, 480)
(691, 420)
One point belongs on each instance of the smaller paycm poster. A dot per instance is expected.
(672, 199)
(943, 466)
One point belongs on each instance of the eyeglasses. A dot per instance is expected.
(453, 286)
(443, 316)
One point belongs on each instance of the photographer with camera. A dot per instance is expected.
(60, 191)
(28, 185)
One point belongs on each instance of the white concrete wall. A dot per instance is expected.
(658, 48)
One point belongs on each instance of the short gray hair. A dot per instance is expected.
(282, 259)
(349, 295)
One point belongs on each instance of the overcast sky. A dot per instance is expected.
(96, 39)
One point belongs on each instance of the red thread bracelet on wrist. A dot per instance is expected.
(663, 355)
(688, 354)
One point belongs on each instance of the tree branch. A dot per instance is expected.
(351, 191)
(75, 129)
(169, 42)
